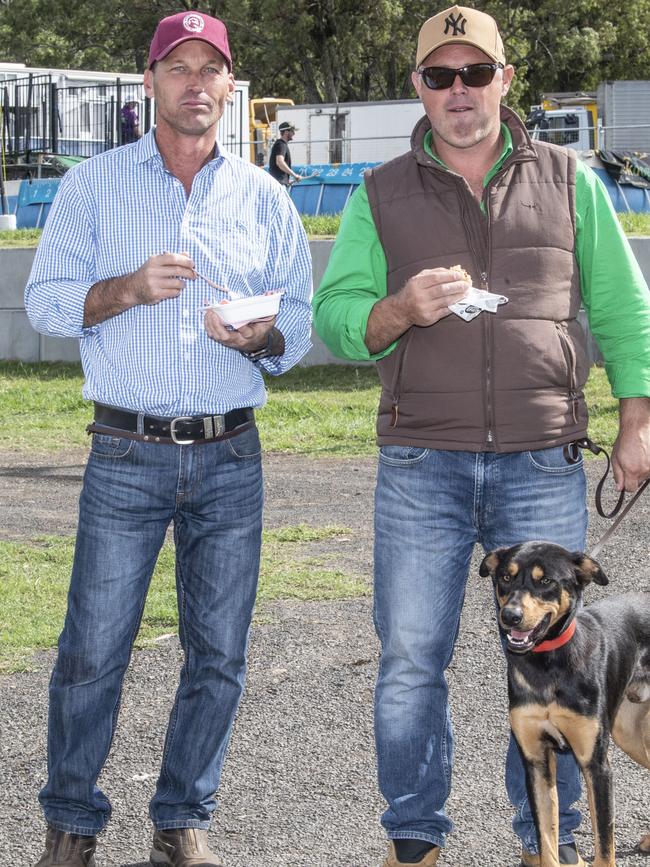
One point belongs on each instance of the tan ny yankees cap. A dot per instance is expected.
(464, 26)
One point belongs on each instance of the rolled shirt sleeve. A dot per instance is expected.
(289, 270)
(614, 292)
(63, 270)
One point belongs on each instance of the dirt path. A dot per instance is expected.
(299, 786)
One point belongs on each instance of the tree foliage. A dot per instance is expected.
(334, 50)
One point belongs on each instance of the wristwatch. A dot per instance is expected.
(274, 346)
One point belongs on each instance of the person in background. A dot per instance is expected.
(174, 439)
(130, 122)
(280, 157)
(475, 413)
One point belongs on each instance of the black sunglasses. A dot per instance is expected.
(473, 75)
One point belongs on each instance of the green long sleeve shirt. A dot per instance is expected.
(614, 292)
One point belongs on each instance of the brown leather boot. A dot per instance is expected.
(183, 847)
(429, 860)
(67, 850)
(568, 854)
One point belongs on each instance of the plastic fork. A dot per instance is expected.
(214, 285)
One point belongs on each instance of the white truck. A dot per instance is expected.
(351, 132)
(616, 117)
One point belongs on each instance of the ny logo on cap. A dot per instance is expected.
(193, 22)
(456, 24)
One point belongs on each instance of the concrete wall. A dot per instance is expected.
(19, 341)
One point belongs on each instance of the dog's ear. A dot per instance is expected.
(588, 570)
(491, 562)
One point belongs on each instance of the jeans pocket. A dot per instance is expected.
(554, 461)
(402, 456)
(109, 446)
(246, 444)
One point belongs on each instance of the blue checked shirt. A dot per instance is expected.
(239, 227)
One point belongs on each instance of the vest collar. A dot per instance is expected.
(523, 148)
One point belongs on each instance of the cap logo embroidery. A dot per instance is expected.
(457, 24)
(194, 23)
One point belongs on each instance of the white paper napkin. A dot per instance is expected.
(475, 301)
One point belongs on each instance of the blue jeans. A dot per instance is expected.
(132, 491)
(431, 508)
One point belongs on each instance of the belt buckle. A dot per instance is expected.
(172, 430)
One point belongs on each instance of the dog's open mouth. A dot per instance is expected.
(521, 642)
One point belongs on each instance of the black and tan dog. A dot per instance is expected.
(576, 675)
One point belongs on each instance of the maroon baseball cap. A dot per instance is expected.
(174, 29)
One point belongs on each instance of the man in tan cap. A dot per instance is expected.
(477, 405)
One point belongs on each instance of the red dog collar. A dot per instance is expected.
(563, 638)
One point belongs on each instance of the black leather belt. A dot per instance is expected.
(181, 430)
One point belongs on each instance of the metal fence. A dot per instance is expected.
(40, 117)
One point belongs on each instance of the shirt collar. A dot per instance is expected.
(147, 149)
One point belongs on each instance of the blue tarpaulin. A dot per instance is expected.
(325, 188)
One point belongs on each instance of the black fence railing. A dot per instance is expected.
(40, 117)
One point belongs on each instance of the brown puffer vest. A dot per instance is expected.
(509, 381)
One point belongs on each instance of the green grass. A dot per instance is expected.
(316, 411)
(325, 226)
(20, 238)
(34, 579)
(603, 409)
(635, 224)
(320, 411)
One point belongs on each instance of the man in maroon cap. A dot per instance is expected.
(174, 435)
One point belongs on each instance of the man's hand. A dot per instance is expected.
(160, 277)
(246, 338)
(631, 452)
(423, 300)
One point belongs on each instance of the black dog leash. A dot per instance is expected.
(571, 452)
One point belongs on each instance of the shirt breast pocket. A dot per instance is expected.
(233, 247)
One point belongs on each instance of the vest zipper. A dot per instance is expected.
(490, 439)
(483, 268)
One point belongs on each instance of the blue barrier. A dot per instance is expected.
(326, 189)
(34, 201)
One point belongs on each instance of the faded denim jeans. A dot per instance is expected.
(431, 508)
(132, 492)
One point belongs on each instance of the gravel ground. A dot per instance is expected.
(299, 786)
